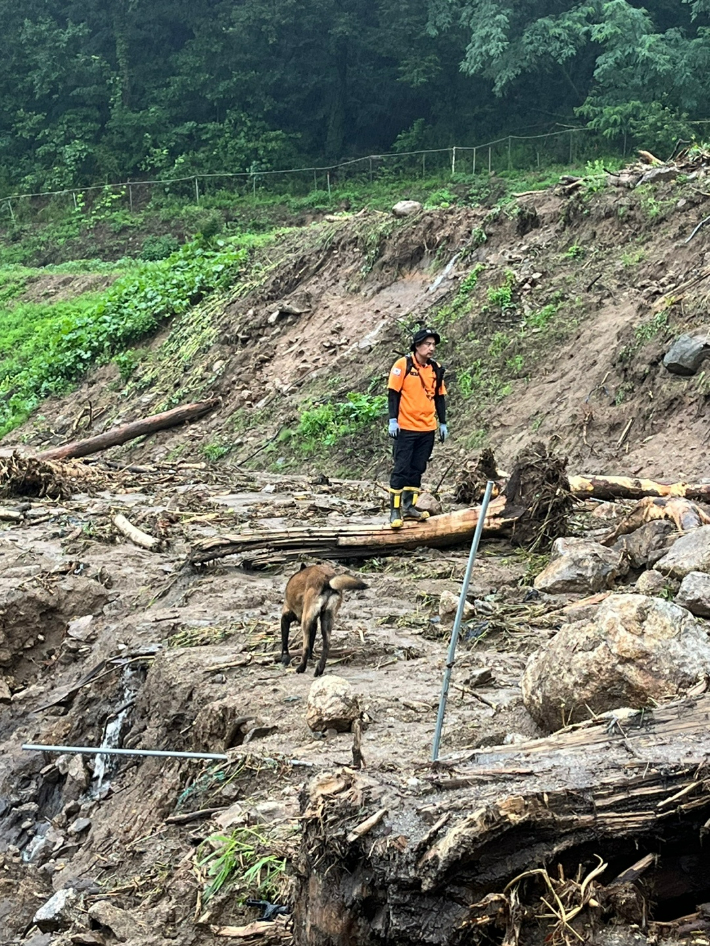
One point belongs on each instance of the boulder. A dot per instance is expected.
(655, 175)
(686, 354)
(689, 553)
(56, 913)
(579, 565)
(651, 583)
(448, 605)
(694, 594)
(636, 650)
(122, 924)
(406, 208)
(332, 704)
(428, 503)
(77, 776)
(222, 725)
(644, 546)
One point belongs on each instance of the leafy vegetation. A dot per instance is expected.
(244, 861)
(325, 424)
(44, 348)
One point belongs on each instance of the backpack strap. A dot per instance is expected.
(439, 372)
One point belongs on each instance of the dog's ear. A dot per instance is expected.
(303, 565)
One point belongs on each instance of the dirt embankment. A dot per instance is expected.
(560, 333)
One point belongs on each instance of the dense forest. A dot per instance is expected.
(99, 90)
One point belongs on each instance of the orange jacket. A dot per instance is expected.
(417, 409)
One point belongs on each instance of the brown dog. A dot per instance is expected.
(314, 592)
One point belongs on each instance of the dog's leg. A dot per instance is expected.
(309, 625)
(287, 619)
(326, 626)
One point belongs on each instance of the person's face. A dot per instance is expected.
(425, 350)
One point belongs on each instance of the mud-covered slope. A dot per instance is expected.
(555, 313)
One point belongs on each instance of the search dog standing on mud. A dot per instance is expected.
(312, 594)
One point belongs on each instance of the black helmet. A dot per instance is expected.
(422, 335)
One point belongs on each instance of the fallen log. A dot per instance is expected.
(139, 428)
(683, 513)
(357, 541)
(563, 842)
(629, 487)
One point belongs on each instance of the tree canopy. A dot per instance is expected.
(100, 90)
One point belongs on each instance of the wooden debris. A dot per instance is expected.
(629, 487)
(366, 826)
(138, 428)
(189, 816)
(685, 514)
(358, 758)
(135, 535)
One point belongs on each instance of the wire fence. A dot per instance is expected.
(508, 153)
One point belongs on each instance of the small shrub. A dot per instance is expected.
(325, 424)
(215, 451)
(242, 859)
(440, 199)
(127, 362)
(502, 296)
(159, 247)
(575, 251)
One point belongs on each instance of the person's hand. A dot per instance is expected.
(443, 432)
(393, 430)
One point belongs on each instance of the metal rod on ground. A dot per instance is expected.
(100, 750)
(455, 631)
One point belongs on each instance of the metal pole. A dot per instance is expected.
(474, 160)
(12, 213)
(130, 197)
(489, 160)
(423, 166)
(197, 192)
(451, 659)
(510, 163)
(453, 161)
(328, 183)
(370, 170)
(89, 750)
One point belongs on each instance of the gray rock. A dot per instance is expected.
(5, 694)
(428, 503)
(647, 544)
(655, 175)
(637, 649)
(578, 565)
(55, 914)
(79, 826)
(406, 208)
(686, 354)
(122, 924)
(651, 583)
(332, 704)
(689, 553)
(448, 605)
(694, 594)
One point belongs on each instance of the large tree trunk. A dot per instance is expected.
(629, 487)
(476, 848)
(262, 547)
(139, 428)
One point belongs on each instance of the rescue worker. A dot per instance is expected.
(416, 399)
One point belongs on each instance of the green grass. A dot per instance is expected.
(244, 861)
(323, 425)
(46, 348)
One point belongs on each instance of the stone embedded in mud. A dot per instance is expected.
(637, 649)
(332, 703)
(79, 826)
(428, 503)
(579, 565)
(5, 694)
(56, 913)
(406, 208)
(122, 924)
(686, 354)
(448, 605)
(77, 776)
(655, 175)
(223, 724)
(644, 546)
(689, 553)
(694, 594)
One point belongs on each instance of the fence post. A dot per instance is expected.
(74, 199)
(489, 159)
(571, 147)
(197, 192)
(423, 166)
(453, 161)
(370, 170)
(510, 160)
(474, 161)
(253, 185)
(130, 196)
(328, 177)
(12, 212)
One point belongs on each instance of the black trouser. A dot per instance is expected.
(412, 449)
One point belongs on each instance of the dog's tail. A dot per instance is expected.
(346, 582)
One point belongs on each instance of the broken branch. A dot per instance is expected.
(136, 536)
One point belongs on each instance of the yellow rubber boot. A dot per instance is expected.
(396, 521)
(410, 495)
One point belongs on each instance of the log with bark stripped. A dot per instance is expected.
(629, 487)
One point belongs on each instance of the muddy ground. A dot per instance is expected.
(106, 643)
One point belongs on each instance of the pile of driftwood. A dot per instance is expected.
(598, 825)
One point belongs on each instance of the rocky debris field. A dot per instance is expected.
(103, 643)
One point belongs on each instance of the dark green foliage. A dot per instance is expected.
(159, 247)
(103, 91)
